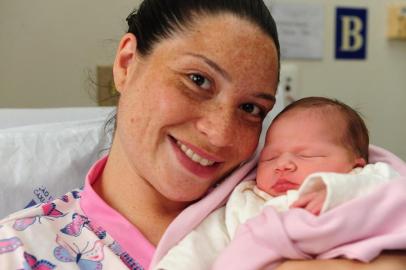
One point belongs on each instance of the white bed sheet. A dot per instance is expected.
(10, 117)
(45, 153)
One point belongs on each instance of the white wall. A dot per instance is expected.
(377, 86)
(47, 48)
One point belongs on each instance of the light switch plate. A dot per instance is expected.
(397, 21)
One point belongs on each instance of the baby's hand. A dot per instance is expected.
(312, 202)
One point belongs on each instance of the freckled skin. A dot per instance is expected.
(214, 124)
(160, 104)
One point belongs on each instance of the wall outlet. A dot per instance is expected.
(288, 87)
(288, 91)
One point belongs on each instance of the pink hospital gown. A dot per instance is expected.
(76, 231)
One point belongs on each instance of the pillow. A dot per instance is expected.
(39, 163)
(23, 117)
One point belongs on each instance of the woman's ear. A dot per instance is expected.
(125, 57)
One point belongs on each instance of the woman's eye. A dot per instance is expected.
(200, 81)
(252, 109)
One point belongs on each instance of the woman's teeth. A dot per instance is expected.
(193, 156)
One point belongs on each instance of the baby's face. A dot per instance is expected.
(298, 144)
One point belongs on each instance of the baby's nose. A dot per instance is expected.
(286, 163)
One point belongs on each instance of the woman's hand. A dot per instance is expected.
(386, 261)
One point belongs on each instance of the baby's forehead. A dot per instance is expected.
(325, 114)
(332, 120)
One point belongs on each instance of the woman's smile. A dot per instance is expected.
(195, 159)
(192, 110)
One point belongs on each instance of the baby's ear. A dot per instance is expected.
(359, 162)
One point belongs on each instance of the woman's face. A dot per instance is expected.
(192, 110)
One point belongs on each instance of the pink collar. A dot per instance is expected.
(127, 235)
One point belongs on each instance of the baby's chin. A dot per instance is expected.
(275, 193)
(269, 190)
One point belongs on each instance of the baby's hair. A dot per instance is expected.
(355, 137)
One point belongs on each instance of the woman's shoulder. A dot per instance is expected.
(38, 221)
(59, 235)
(30, 235)
(48, 211)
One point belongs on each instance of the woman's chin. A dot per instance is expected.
(185, 197)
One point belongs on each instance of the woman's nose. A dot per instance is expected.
(285, 163)
(219, 126)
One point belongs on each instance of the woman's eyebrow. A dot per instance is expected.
(227, 76)
(213, 65)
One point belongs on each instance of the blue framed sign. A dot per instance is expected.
(351, 33)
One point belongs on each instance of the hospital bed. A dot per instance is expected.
(44, 153)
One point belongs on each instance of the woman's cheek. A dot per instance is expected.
(174, 104)
(249, 140)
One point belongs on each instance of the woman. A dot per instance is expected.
(196, 79)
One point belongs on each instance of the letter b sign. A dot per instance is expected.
(351, 33)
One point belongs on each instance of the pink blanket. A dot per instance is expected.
(351, 230)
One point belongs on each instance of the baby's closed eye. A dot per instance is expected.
(310, 155)
(269, 158)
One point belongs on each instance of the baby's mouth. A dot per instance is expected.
(283, 185)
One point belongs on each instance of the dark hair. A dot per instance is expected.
(355, 137)
(155, 20)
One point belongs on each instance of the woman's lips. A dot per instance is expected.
(195, 160)
(194, 156)
(200, 152)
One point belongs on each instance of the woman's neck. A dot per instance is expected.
(134, 198)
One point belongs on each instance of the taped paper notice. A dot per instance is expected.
(300, 29)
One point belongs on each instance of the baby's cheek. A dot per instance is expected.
(264, 177)
(261, 185)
